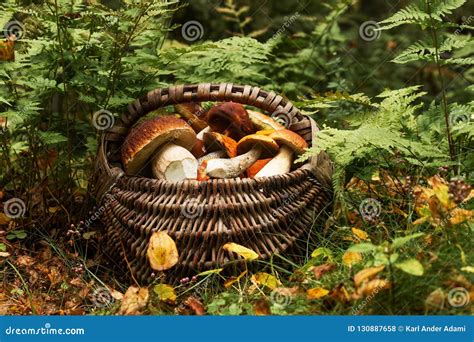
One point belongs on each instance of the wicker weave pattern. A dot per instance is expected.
(267, 215)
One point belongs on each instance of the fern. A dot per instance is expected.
(417, 14)
(390, 127)
(431, 15)
(408, 15)
(235, 59)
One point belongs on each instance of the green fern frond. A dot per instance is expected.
(228, 60)
(458, 61)
(329, 99)
(415, 52)
(408, 15)
(441, 8)
(413, 14)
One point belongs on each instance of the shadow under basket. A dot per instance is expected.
(269, 215)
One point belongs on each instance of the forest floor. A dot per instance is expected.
(52, 273)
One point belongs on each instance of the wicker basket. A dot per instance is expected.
(268, 215)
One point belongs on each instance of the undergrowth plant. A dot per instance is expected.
(71, 61)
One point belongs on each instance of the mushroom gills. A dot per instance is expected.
(174, 163)
(233, 167)
(280, 164)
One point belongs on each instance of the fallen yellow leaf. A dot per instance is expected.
(162, 252)
(366, 274)
(351, 258)
(459, 215)
(134, 300)
(360, 233)
(165, 293)
(244, 252)
(265, 279)
(316, 293)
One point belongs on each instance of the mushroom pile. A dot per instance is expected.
(227, 141)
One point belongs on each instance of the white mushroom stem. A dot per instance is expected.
(280, 164)
(212, 155)
(233, 167)
(174, 163)
(200, 135)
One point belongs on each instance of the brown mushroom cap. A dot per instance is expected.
(268, 145)
(219, 142)
(230, 118)
(290, 139)
(144, 140)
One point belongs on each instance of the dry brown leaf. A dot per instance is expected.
(54, 276)
(262, 307)
(116, 294)
(372, 287)
(134, 300)
(321, 270)
(195, 304)
(25, 260)
(4, 219)
(78, 282)
(435, 300)
(316, 293)
(288, 291)
(162, 252)
(351, 258)
(366, 274)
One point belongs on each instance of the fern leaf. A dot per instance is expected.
(408, 15)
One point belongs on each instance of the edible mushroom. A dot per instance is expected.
(218, 142)
(231, 119)
(249, 150)
(290, 143)
(152, 135)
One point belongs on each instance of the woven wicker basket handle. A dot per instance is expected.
(270, 102)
